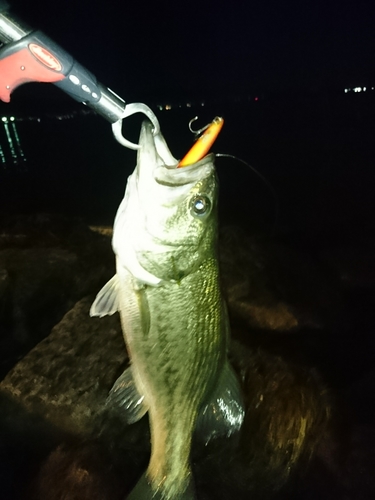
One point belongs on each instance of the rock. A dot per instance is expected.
(39, 281)
(358, 471)
(346, 476)
(355, 265)
(270, 286)
(54, 425)
(78, 472)
(65, 379)
(56, 394)
(361, 394)
(49, 262)
(287, 413)
(4, 290)
(349, 251)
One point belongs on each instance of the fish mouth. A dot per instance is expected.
(187, 175)
(156, 214)
(156, 160)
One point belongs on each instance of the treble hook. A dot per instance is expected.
(204, 142)
(197, 132)
(131, 109)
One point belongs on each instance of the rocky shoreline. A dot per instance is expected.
(307, 378)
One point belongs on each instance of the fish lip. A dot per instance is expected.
(156, 161)
(173, 176)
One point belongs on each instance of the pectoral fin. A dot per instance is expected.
(125, 395)
(106, 302)
(223, 413)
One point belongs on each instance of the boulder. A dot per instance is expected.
(55, 399)
(65, 379)
(53, 396)
(47, 263)
(54, 425)
(271, 286)
(4, 291)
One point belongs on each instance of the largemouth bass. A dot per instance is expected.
(173, 316)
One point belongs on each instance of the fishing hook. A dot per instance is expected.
(197, 132)
(131, 109)
(204, 142)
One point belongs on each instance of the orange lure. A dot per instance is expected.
(203, 143)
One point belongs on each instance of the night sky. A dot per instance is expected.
(142, 49)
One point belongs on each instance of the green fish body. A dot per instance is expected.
(173, 316)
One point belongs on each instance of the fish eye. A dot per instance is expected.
(200, 205)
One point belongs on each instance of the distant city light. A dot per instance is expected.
(358, 89)
(14, 142)
(168, 107)
(2, 155)
(21, 154)
(10, 141)
(188, 105)
(256, 98)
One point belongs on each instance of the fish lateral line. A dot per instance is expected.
(204, 142)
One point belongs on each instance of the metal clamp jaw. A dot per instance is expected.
(131, 109)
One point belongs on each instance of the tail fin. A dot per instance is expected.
(143, 490)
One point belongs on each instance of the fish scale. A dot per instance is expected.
(173, 317)
(178, 400)
(160, 352)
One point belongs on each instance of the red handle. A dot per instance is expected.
(25, 66)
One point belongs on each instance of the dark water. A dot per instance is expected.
(317, 151)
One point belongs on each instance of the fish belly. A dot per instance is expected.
(175, 334)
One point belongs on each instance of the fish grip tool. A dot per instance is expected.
(31, 56)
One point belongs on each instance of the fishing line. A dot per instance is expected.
(203, 144)
(266, 182)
